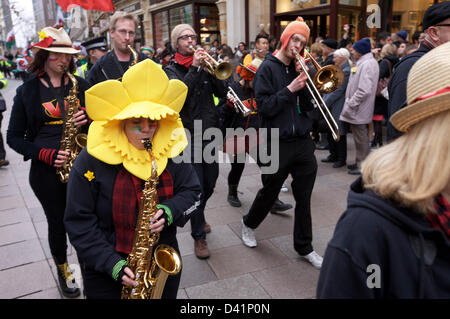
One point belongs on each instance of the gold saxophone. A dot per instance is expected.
(135, 55)
(72, 141)
(150, 264)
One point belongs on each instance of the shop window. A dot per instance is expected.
(209, 24)
(161, 23)
(180, 15)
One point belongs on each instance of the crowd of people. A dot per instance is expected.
(399, 201)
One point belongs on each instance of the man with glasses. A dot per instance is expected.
(188, 67)
(436, 26)
(113, 65)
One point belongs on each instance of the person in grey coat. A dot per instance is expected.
(360, 99)
(335, 102)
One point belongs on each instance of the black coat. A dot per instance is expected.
(397, 85)
(381, 104)
(27, 116)
(88, 217)
(277, 106)
(199, 104)
(108, 68)
(413, 257)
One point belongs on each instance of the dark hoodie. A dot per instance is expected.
(413, 258)
(277, 106)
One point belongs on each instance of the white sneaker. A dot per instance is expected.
(284, 188)
(315, 259)
(248, 236)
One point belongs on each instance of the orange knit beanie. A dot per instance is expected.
(298, 26)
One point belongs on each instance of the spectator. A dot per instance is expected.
(436, 21)
(359, 100)
(393, 240)
(316, 52)
(328, 47)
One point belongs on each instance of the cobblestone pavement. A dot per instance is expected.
(271, 270)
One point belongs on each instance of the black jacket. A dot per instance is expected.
(277, 106)
(397, 85)
(413, 257)
(381, 103)
(108, 68)
(27, 116)
(88, 216)
(199, 104)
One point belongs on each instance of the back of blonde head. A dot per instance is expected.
(414, 168)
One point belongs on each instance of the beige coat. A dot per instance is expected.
(361, 91)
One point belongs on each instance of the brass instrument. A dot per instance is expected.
(222, 70)
(327, 78)
(135, 55)
(238, 105)
(72, 141)
(150, 264)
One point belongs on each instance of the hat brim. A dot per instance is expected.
(58, 50)
(414, 113)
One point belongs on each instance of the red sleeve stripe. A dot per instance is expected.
(46, 155)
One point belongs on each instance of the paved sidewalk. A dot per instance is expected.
(271, 270)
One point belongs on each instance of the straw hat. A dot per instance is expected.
(55, 40)
(249, 67)
(428, 89)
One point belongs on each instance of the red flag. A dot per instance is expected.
(100, 5)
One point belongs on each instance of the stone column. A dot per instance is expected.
(222, 6)
(235, 22)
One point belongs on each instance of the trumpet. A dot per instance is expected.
(325, 77)
(221, 70)
(238, 105)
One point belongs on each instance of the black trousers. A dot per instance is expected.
(2, 145)
(296, 157)
(338, 150)
(51, 193)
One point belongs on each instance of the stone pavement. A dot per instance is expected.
(271, 270)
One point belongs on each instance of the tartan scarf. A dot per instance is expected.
(441, 220)
(126, 196)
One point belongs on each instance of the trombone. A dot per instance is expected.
(328, 80)
(222, 70)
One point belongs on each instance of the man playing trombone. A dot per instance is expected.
(190, 65)
(283, 101)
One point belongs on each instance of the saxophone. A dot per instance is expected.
(135, 55)
(150, 264)
(72, 141)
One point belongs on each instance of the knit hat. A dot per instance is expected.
(428, 89)
(402, 34)
(331, 43)
(55, 40)
(363, 46)
(176, 33)
(298, 26)
(435, 14)
(145, 92)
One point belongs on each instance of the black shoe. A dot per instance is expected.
(4, 162)
(67, 284)
(322, 147)
(352, 166)
(279, 206)
(329, 159)
(355, 171)
(232, 198)
(338, 164)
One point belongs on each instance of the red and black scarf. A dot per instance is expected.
(441, 220)
(184, 60)
(126, 196)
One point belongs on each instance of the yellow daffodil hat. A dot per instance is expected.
(145, 91)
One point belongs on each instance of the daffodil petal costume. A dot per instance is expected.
(145, 91)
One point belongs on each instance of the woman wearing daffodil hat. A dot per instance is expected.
(107, 178)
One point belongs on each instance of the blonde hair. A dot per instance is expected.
(316, 48)
(388, 49)
(413, 169)
(121, 15)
